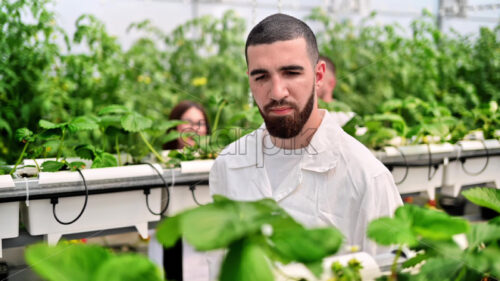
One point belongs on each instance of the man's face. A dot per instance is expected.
(283, 82)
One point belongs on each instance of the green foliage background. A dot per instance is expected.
(450, 78)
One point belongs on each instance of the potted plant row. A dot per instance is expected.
(262, 242)
(58, 215)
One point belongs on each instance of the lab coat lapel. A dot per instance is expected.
(291, 182)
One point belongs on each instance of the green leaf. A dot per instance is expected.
(5, 125)
(76, 262)
(134, 122)
(103, 160)
(44, 124)
(110, 120)
(51, 133)
(82, 123)
(169, 231)
(485, 197)
(307, 245)
(315, 267)
(495, 221)
(431, 224)
(76, 165)
(245, 262)
(114, 109)
(217, 198)
(52, 166)
(420, 257)
(24, 135)
(173, 135)
(391, 231)
(166, 125)
(128, 267)
(440, 268)
(216, 225)
(85, 151)
(482, 233)
(212, 226)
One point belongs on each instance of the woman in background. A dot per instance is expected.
(172, 258)
(196, 122)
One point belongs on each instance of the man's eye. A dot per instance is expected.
(260, 77)
(292, 73)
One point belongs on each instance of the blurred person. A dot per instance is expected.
(325, 91)
(196, 122)
(181, 262)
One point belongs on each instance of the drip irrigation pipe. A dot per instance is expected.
(407, 167)
(147, 191)
(463, 159)
(55, 200)
(436, 166)
(192, 187)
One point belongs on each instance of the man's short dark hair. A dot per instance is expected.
(281, 27)
(329, 63)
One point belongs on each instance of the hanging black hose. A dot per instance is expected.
(407, 167)
(429, 176)
(193, 188)
(147, 191)
(463, 159)
(55, 200)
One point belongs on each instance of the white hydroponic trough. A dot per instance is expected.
(9, 213)
(419, 179)
(103, 211)
(473, 170)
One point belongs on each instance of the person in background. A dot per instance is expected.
(182, 255)
(325, 91)
(196, 122)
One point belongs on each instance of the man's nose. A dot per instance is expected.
(279, 90)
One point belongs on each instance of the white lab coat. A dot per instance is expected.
(338, 182)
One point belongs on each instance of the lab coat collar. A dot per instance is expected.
(320, 155)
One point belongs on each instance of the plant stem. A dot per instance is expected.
(394, 267)
(158, 156)
(217, 116)
(104, 143)
(117, 147)
(462, 273)
(59, 149)
(37, 166)
(20, 158)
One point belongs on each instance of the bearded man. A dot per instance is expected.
(300, 157)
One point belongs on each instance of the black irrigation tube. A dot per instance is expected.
(55, 200)
(192, 187)
(405, 164)
(147, 191)
(462, 160)
(429, 156)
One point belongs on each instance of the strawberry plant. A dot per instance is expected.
(430, 234)
(257, 234)
(89, 262)
(119, 119)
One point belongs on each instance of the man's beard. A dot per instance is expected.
(288, 126)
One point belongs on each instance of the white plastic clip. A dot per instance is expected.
(173, 178)
(27, 192)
